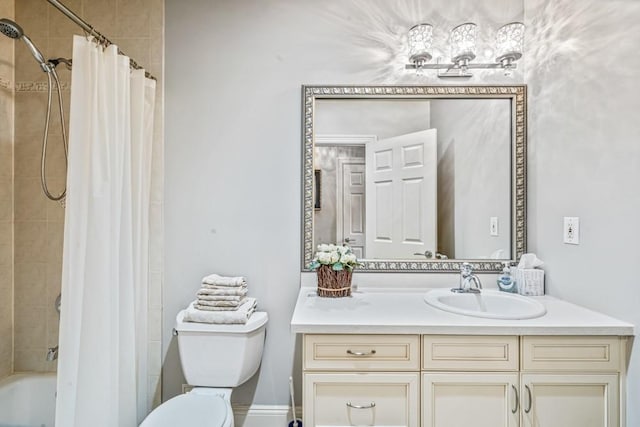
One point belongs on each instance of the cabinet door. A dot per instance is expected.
(470, 399)
(361, 399)
(550, 400)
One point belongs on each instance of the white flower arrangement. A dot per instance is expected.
(338, 257)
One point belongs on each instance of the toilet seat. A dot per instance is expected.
(193, 409)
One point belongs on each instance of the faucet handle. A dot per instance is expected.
(466, 269)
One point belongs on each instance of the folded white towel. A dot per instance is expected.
(240, 316)
(220, 297)
(214, 279)
(228, 304)
(222, 290)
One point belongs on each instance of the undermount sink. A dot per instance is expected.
(490, 304)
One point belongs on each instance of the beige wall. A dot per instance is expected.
(137, 28)
(6, 196)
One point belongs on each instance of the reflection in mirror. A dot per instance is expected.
(417, 182)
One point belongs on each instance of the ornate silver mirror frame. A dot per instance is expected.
(518, 96)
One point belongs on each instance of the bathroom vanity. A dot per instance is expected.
(389, 359)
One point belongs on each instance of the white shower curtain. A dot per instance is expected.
(102, 368)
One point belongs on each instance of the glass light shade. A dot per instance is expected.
(463, 42)
(420, 40)
(510, 42)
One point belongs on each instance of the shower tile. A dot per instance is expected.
(30, 328)
(29, 360)
(6, 159)
(30, 284)
(55, 238)
(32, 15)
(31, 108)
(27, 155)
(59, 24)
(6, 199)
(26, 67)
(31, 239)
(6, 244)
(30, 203)
(134, 17)
(52, 326)
(53, 280)
(135, 48)
(102, 15)
(56, 162)
(55, 210)
(51, 366)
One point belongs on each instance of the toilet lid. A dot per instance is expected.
(189, 410)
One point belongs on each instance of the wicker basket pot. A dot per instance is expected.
(333, 284)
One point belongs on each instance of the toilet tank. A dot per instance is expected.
(215, 355)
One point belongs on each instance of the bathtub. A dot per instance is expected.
(28, 400)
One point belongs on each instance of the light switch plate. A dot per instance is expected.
(493, 226)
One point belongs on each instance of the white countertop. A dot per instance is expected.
(376, 311)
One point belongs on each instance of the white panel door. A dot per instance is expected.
(350, 205)
(470, 399)
(401, 198)
(581, 400)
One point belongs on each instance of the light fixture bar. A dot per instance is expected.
(509, 47)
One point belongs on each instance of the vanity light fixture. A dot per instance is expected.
(509, 48)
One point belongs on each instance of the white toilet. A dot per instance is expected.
(215, 359)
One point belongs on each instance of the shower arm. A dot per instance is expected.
(103, 40)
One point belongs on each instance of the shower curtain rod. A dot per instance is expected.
(99, 36)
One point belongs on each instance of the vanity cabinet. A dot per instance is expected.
(572, 381)
(470, 380)
(361, 380)
(458, 380)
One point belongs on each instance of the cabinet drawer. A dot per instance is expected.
(362, 352)
(469, 353)
(380, 399)
(574, 353)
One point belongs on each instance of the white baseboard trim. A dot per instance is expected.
(263, 415)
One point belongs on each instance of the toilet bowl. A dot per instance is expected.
(215, 359)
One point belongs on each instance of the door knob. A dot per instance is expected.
(348, 240)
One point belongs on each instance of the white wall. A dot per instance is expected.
(233, 140)
(584, 106)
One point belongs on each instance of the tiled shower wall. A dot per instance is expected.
(6, 196)
(137, 27)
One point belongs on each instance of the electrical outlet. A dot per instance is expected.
(571, 230)
(493, 226)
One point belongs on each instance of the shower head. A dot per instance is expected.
(10, 29)
(14, 31)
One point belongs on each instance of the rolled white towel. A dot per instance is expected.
(240, 316)
(223, 291)
(228, 304)
(215, 279)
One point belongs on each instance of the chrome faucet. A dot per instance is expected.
(469, 282)
(52, 354)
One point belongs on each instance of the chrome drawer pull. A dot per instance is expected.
(515, 392)
(527, 410)
(361, 353)
(371, 405)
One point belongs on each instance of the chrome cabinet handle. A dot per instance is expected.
(369, 406)
(528, 409)
(361, 353)
(515, 392)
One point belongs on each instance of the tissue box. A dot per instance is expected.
(530, 281)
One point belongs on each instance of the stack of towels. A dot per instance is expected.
(221, 300)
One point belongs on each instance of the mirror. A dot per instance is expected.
(416, 178)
